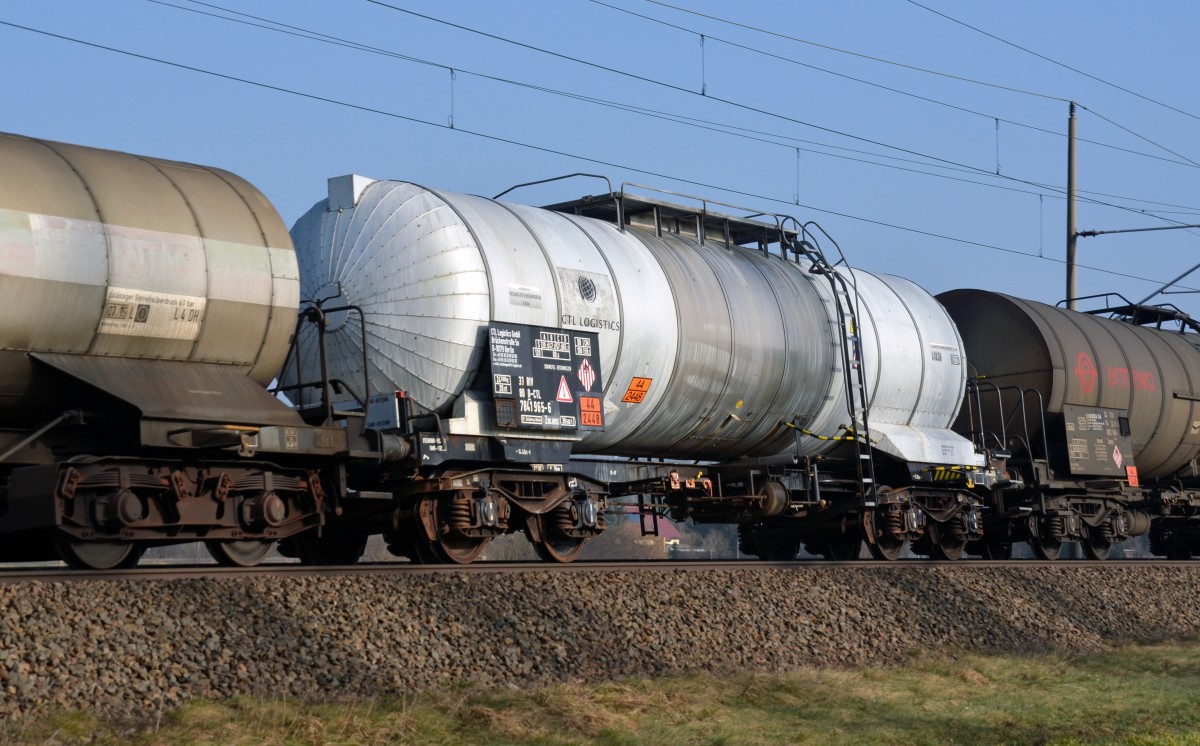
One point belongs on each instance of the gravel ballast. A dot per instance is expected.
(139, 647)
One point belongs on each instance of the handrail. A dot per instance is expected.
(317, 314)
(515, 187)
(615, 197)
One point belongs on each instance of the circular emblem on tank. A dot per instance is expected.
(587, 289)
(1085, 371)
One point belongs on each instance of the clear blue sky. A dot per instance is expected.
(288, 145)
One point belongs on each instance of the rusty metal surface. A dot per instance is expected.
(1078, 359)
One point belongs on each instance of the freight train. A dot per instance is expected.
(443, 369)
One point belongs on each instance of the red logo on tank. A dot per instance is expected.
(1085, 371)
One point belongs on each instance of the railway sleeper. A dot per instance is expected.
(102, 514)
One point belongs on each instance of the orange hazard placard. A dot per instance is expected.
(638, 387)
(1132, 475)
(590, 412)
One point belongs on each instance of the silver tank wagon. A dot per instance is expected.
(707, 350)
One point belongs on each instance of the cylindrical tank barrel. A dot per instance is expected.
(107, 253)
(1073, 358)
(732, 343)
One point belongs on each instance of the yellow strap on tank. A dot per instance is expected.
(804, 431)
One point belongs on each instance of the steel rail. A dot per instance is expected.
(214, 572)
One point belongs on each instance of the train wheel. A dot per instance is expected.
(410, 541)
(777, 550)
(1045, 548)
(883, 526)
(1095, 545)
(239, 553)
(887, 548)
(551, 544)
(1042, 542)
(948, 541)
(423, 553)
(451, 545)
(1045, 536)
(418, 550)
(97, 555)
(1165, 542)
(460, 550)
(755, 542)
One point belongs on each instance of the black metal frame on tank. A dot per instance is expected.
(998, 446)
(622, 210)
(315, 313)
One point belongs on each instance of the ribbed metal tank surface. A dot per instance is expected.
(107, 253)
(1081, 359)
(735, 342)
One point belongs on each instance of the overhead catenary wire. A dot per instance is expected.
(684, 90)
(1079, 72)
(789, 60)
(1122, 127)
(339, 41)
(750, 134)
(1052, 61)
(915, 68)
(319, 36)
(547, 150)
(669, 86)
(939, 73)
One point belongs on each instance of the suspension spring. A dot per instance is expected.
(893, 523)
(958, 525)
(561, 518)
(458, 512)
(1056, 527)
(1108, 529)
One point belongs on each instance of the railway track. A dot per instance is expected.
(208, 571)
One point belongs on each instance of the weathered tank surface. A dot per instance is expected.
(116, 255)
(1073, 358)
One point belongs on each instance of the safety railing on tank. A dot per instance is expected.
(611, 194)
(979, 432)
(1139, 314)
(316, 314)
(704, 216)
